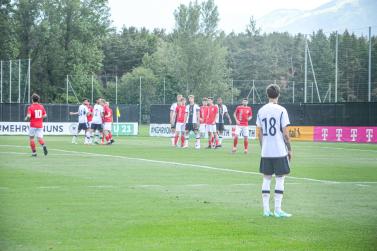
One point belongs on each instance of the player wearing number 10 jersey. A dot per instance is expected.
(273, 134)
(36, 113)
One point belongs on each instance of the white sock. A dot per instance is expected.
(266, 193)
(87, 137)
(279, 190)
(220, 139)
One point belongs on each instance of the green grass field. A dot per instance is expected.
(142, 194)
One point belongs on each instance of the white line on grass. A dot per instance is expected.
(49, 187)
(77, 153)
(102, 186)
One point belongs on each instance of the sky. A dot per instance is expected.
(234, 14)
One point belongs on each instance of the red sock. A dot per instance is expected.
(183, 140)
(217, 141)
(32, 145)
(176, 139)
(41, 141)
(246, 143)
(110, 136)
(235, 142)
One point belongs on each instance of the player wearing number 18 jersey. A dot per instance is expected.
(273, 134)
(36, 113)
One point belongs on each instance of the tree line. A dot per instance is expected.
(76, 38)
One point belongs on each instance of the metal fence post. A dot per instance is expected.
(140, 101)
(370, 66)
(19, 81)
(10, 81)
(29, 77)
(1, 81)
(164, 91)
(306, 70)
(336, 69)
(67, 88)
(116, 90)
(92, 97)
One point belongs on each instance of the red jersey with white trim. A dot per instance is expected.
(107, 111)
(90, 117)
(243, 113)
(212, 114)
(180, 113)
(203, 114)
(36, 111)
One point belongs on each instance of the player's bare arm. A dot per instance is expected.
(228, 117)
(235, 118)
(28, 115)
(260, 135)
(287, 142)
(172, 117)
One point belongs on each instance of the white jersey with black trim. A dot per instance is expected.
(222, 109)
(97, 114)
(271, 119)
(83, 113)
(173, 107)
(193, 113)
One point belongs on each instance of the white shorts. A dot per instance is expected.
(107, 126)
(203, 128)
(36, 132)
(180, 127)
(242, 131)
(211, 128)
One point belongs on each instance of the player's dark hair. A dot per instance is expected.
(35, 97)
(210, 98)
(245, 99)
(273, 91)
(85, 99)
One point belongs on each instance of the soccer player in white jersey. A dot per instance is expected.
(83, 113)
(222, 112)
(273, 134)
(97, 121)
(192, 121)
(173, 119)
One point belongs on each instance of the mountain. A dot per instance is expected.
(334, 15)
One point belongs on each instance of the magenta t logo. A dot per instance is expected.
(325, 133)
(339, 134)
(353, 134)
(369, 134)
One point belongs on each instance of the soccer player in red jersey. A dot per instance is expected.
(108, 121)
(242, 115)
(211, 124)
(180, 117)
(203, 117)
(36, 113)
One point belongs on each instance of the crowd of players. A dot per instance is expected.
(95, 121)
(207, 119)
